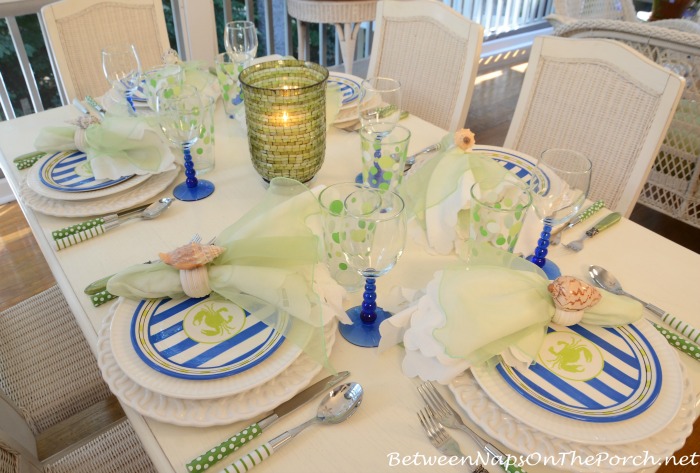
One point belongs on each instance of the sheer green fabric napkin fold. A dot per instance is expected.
(492, 304)
(272, 264)
(437, 194)
(118, 146)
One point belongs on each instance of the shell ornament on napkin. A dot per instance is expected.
(497, 306)
(191, 260)
(269, 262)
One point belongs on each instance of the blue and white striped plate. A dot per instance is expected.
(349, 86)
(62, 172)
(519, 164)
(203, 338)
(591, 373)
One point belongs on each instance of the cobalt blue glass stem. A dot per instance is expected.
(369, 302)
(190, 173)
(193, 188)
(366, 318)
(539, 255)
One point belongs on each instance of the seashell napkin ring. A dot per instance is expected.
(571, 296)
(192, 259)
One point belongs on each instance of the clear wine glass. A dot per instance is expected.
(122, 68)
(568, 174)
(181, 116)
(380, 104)
(241, 41)
(372, 236)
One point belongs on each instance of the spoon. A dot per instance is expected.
(82, 231)
(340, 403)
(607, 281)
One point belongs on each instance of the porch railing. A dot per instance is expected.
(26, 79)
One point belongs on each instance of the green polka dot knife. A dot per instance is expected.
(74, 234)
(210, 457)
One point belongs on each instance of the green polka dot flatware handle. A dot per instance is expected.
(206, 460)
(74, 234)
(678, 342)
(27, 160)
(101, 297)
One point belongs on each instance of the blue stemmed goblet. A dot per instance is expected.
(569, 175)
(371, 236)
(181, 114)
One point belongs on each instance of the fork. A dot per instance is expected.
(440, 439)
(447, 416)
(609, 221)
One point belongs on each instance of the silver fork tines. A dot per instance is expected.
(440, 438)
(447, 416)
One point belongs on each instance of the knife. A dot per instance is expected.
(678, 342)
(228, 446)
(28, 159)
(576, 220)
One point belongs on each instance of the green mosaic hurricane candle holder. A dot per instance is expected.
(285, 108)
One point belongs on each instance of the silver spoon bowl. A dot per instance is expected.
(607, 281)
(340, 403)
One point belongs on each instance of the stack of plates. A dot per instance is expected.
(350, 90)
(597, 391)
(59, 185)
(201, 362)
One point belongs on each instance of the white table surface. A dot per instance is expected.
(647, 264)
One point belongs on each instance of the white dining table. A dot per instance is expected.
(384, 435)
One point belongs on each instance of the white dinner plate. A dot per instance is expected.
(633, 391)
(207, 412)
(204, 338)
(44, 179)
(534, 444)
(152, 186)
(134, 367)
(349, 87)
(66, 171)
(518, 163)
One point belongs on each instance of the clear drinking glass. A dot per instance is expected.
(122, 68)
(181, 115)
(241, 41)
(371, 236)
(380, 104)
(569, 174)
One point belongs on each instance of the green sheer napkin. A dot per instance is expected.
(272, 264)
(437, 193)
(494, 303)
(118, 146)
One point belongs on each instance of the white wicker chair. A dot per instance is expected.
(596, 9)
(433, 51)
(673, 186)
(49, 379)
(77, 30)
(345, 16)
(601, 98)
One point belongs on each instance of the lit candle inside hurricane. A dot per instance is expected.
(285, 114)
